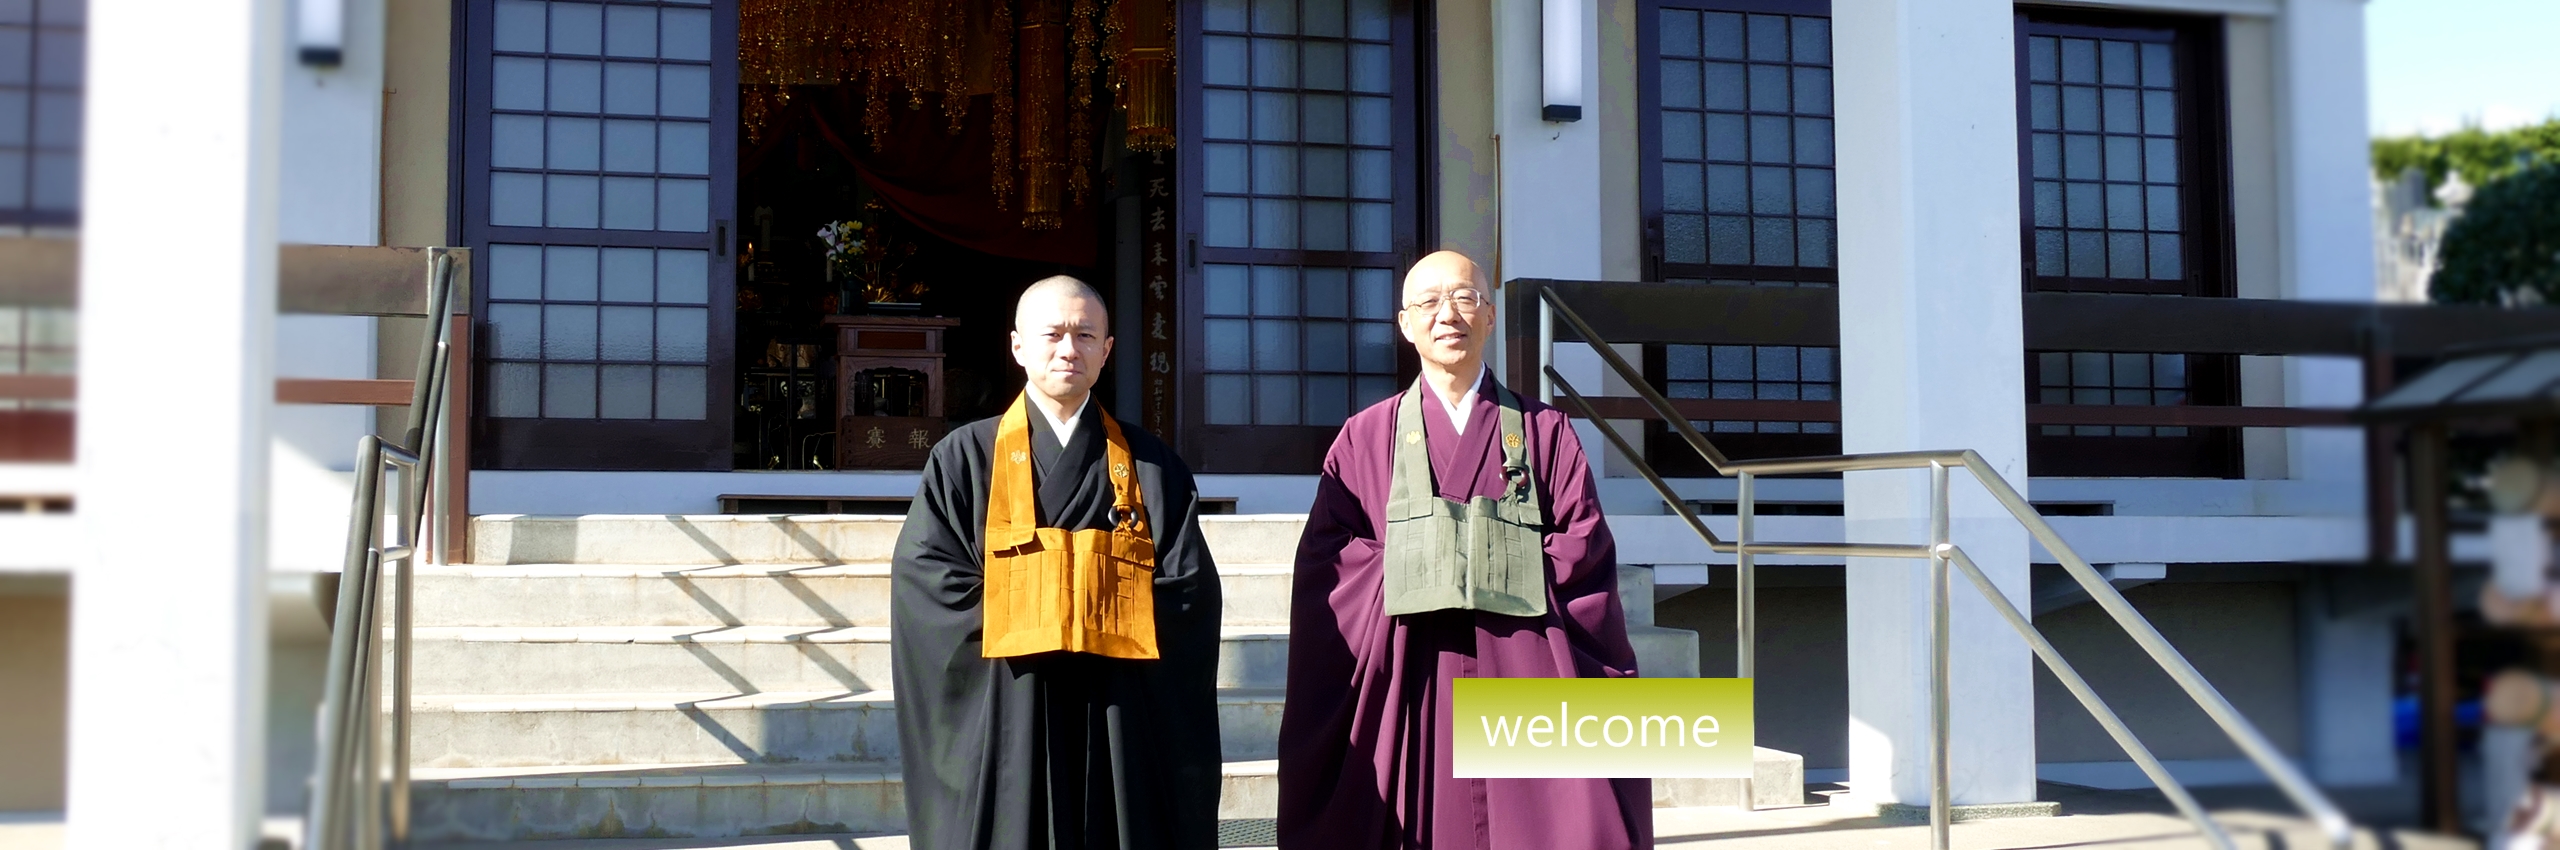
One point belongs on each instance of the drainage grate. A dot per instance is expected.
(1257, 832)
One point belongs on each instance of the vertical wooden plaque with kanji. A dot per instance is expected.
(1158, 305)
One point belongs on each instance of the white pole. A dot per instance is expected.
(177, 322)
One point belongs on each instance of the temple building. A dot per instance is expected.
(743, 261)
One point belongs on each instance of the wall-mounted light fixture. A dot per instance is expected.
(1562, 55)
(320, 32)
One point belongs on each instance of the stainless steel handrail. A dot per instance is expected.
(1941, 553)
(350, 804)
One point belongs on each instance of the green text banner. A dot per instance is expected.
(1600, 728)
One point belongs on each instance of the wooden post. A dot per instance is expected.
(2440, 806)
(2381, 466)
(453, 527)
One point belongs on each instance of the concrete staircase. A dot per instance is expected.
(719, 676)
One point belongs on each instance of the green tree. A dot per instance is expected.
(2505, 249)
(2478, 155)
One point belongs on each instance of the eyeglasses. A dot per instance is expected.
(1466, 300)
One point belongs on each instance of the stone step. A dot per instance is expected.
(732, 800)
(656, 801)
(710, 596)
(1777, 781)
(737, 659)
(844, 595)
(772, 539)
(765, 728)
(708, 800)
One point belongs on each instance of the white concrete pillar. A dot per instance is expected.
(1931, 357)
(2327, 212)
(2346, 680)
(177, 320)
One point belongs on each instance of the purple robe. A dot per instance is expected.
(1364, 741)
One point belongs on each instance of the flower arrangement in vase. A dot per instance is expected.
(863, 254)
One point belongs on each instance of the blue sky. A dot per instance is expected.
(2435, 65)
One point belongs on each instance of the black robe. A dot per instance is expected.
(1056, 750)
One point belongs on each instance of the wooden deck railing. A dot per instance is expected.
(310, 279)
(382, 282)
(2378, 335)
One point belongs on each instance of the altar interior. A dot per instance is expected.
(907, 168)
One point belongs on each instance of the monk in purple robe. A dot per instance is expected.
(1365, 739)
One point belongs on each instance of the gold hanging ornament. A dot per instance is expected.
(1038, 60)
(1142, 72)
(1041, 47)
(1000, 124)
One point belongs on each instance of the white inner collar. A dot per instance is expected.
(1464, 405)
(1065, 429)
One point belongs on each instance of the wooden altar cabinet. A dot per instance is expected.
(889, 391)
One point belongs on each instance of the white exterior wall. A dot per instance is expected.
(330, 194)
(1555, 163)
(1559, 164)
(2347, 643)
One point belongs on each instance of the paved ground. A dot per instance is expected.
(2091, 820)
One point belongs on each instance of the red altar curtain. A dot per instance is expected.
(939, 181)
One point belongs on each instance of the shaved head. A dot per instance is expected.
(1045, 290)
(1441, 269)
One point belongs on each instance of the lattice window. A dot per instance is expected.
(1746, 177)
(41, 54)
(37, 341)
(2104, 151)
(1746, 372)
(1744, 186)
(2096, 378)
(580, 332)
(601, 117)
(42, 43)
(1296, 104)
(1334, 328)
(2123, 169)
(599, 192)
(1299, 224)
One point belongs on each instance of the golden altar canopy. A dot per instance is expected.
(1040, 62)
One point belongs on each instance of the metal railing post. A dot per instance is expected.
(340, 683)
(1746, 583)
(1746, 603)
(1546, 350)
(403, 616)
(1941, 552)
(1940, 646)
(368, 718)
(2079, 688)
(356, 802)
(428, 434)
(2253, 743)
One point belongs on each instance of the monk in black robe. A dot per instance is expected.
(1097, 747)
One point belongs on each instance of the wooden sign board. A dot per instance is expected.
(886, 442)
